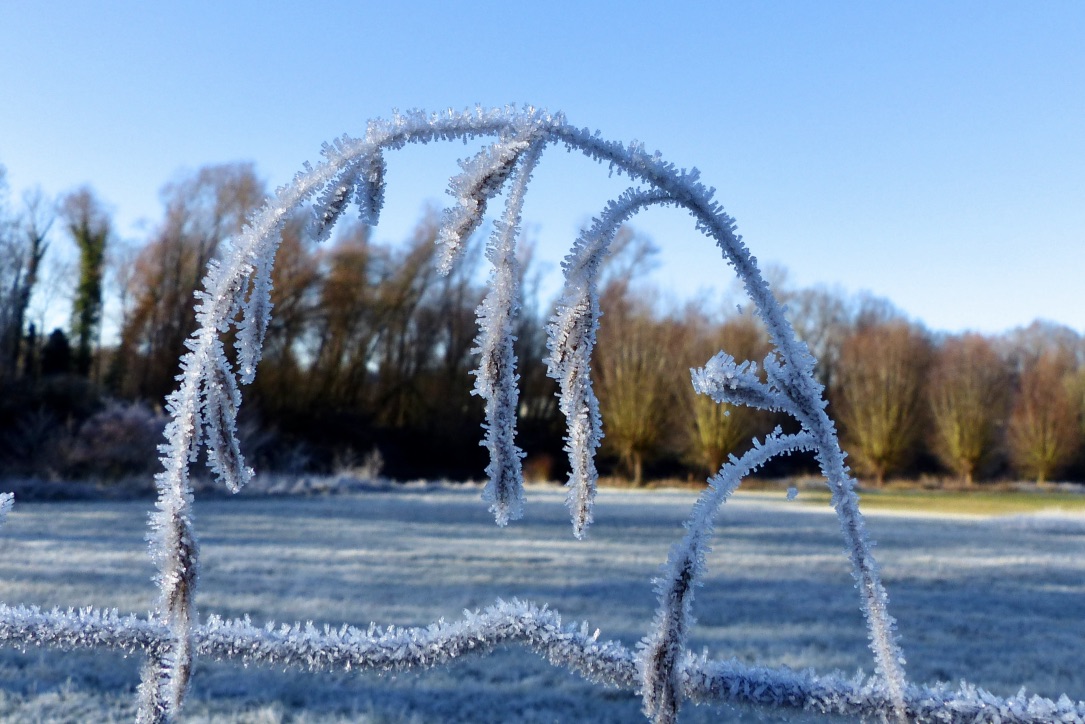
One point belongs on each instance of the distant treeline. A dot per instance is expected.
(369, 357)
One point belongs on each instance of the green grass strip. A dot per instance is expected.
(984, 503)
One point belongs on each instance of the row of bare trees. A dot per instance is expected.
(370, 348)
(977, 403)
(908, 402)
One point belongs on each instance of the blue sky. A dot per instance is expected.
(932, 153)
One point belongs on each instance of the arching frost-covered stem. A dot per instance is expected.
(571, 339)
(496, 378)
(660, 652)
(204, 406)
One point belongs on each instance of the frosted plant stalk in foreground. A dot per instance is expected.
(495, 379)
(571, 339)
(203, 409)
(306, 647)
(661, 651)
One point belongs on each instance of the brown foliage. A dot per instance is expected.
(1044, 429)
(880, 397)
(295, 279)
(717, 430)
(391, 336)
(202, 211)
(636, 377)
(969, 394)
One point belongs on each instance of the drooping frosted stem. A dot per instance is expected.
(204, 407)
(658, 662)
(571, 339)
(496, 378)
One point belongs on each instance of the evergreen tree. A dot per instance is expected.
(89, 225)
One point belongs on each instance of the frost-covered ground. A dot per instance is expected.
(996, 601)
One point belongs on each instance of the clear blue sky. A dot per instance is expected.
(930, 152)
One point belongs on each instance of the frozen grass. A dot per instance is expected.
(953, 502)
(996, 601)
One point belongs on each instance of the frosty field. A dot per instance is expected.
(996, 601)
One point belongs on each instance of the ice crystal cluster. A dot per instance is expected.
(236, 298)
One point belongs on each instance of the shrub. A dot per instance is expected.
(118, 442)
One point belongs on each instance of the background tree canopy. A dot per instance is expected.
(370, 349)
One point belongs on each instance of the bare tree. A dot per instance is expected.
(23, 243)
(390, 337)
(880, 397)
(448, 324)
(1024, 346)
(295, 277)
(825, 317)
(823, 320)
(720, 429)
(969, 388)
(538, 393)
(405, 346)
(1077, 392)
(636, 378)
(11, 263)
(38, 216)
(202, 210)
(1044, 430)
(120, 268)
(868, 310)
(345, 334)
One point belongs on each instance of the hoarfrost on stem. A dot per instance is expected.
(307, 647)
(7, 501)
(521, 135)
(204, 408)
(496, 378)
(571, 339)
(662, 649)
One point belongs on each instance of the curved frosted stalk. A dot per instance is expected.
(571, 339)
(204, 406)
(309, 647)
(496, 378)
(661, 651)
